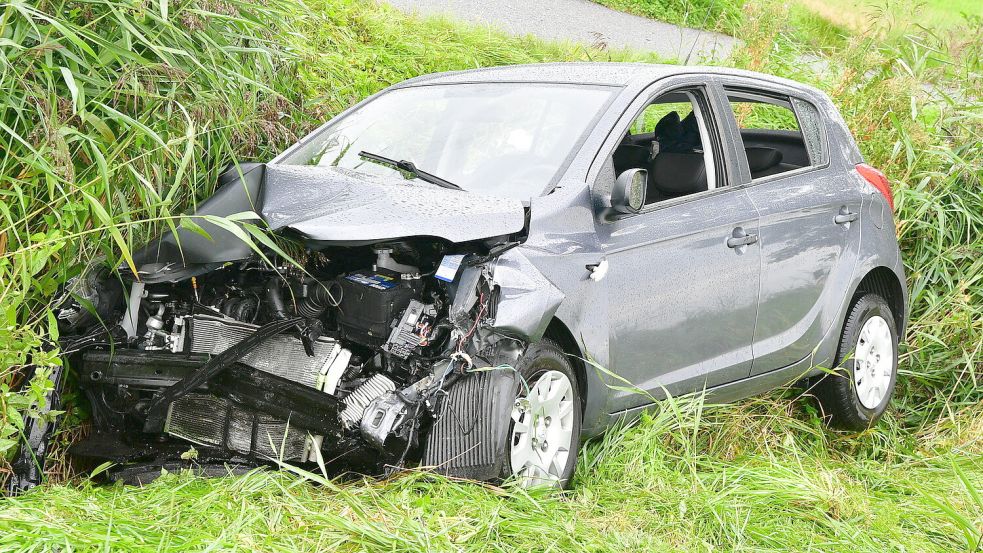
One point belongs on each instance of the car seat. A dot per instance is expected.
(763, 162)
(678, 169)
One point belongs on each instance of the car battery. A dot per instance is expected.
(371, 301)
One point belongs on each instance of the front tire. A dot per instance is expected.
(858, 391)
(544, 431)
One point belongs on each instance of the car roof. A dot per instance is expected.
(588, 73)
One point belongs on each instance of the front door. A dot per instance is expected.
(683, 273)
(683, 301)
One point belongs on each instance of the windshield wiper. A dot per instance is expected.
(411, 168)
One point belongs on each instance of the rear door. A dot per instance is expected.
(681, 281)
(809, 218)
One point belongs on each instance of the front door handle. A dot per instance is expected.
(741, 239)
(844, 218)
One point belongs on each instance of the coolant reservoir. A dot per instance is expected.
(384, 260)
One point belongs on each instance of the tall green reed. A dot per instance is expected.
(115, 117)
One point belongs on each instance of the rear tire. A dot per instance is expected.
(544, 431)
(858, 391)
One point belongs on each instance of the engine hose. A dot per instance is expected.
(318, 301)
(275, 296)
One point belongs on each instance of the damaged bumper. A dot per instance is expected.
(390, 350)
(370, 368)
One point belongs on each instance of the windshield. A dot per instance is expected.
(499, 139)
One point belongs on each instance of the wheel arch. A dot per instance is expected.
(884, 282)
(558, 332)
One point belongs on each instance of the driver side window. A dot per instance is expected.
(670, 139)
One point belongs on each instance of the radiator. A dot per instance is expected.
(209, 420)
(281, 355)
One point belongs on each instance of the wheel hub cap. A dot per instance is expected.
(873, 363)
(542, 430)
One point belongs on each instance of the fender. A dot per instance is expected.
(880, 252)
(527, 300)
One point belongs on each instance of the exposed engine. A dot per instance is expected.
(355, 348)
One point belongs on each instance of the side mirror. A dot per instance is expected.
(628, 195)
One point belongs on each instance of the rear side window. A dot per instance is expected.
(779, 133)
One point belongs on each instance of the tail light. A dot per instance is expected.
(878, 180)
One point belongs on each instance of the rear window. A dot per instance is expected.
(780, 133)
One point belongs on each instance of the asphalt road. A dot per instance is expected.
(580, 21)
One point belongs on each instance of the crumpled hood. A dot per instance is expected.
(339, 205)
(325, 204)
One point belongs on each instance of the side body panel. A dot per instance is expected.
(878, 250)
(810, 233)
(560, 245)
(869, 243)
(682, 303)
(589, 309)
(807, 261)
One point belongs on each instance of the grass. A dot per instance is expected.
(753, 477)
(716, 15)
(102, 144)
(817, 24)
(862, 15)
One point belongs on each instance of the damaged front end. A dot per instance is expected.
(371, 354)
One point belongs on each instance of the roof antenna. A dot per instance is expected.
(699, 31)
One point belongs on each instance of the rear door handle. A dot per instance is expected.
(844, 218)
(738, 241)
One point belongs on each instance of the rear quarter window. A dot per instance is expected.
(813, 131)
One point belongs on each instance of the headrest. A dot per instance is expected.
(678, 174)
(691, 131)
(668, 127)
(674, 135)
(760, 159)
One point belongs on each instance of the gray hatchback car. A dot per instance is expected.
(449, 251)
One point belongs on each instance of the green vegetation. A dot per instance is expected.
(115, 118)
(865, 15)
(814, 30)
(716, 15)
(817, 24)
(118, 116)
(747, 477)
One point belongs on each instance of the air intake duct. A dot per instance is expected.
(319, 299)
(356, 402)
